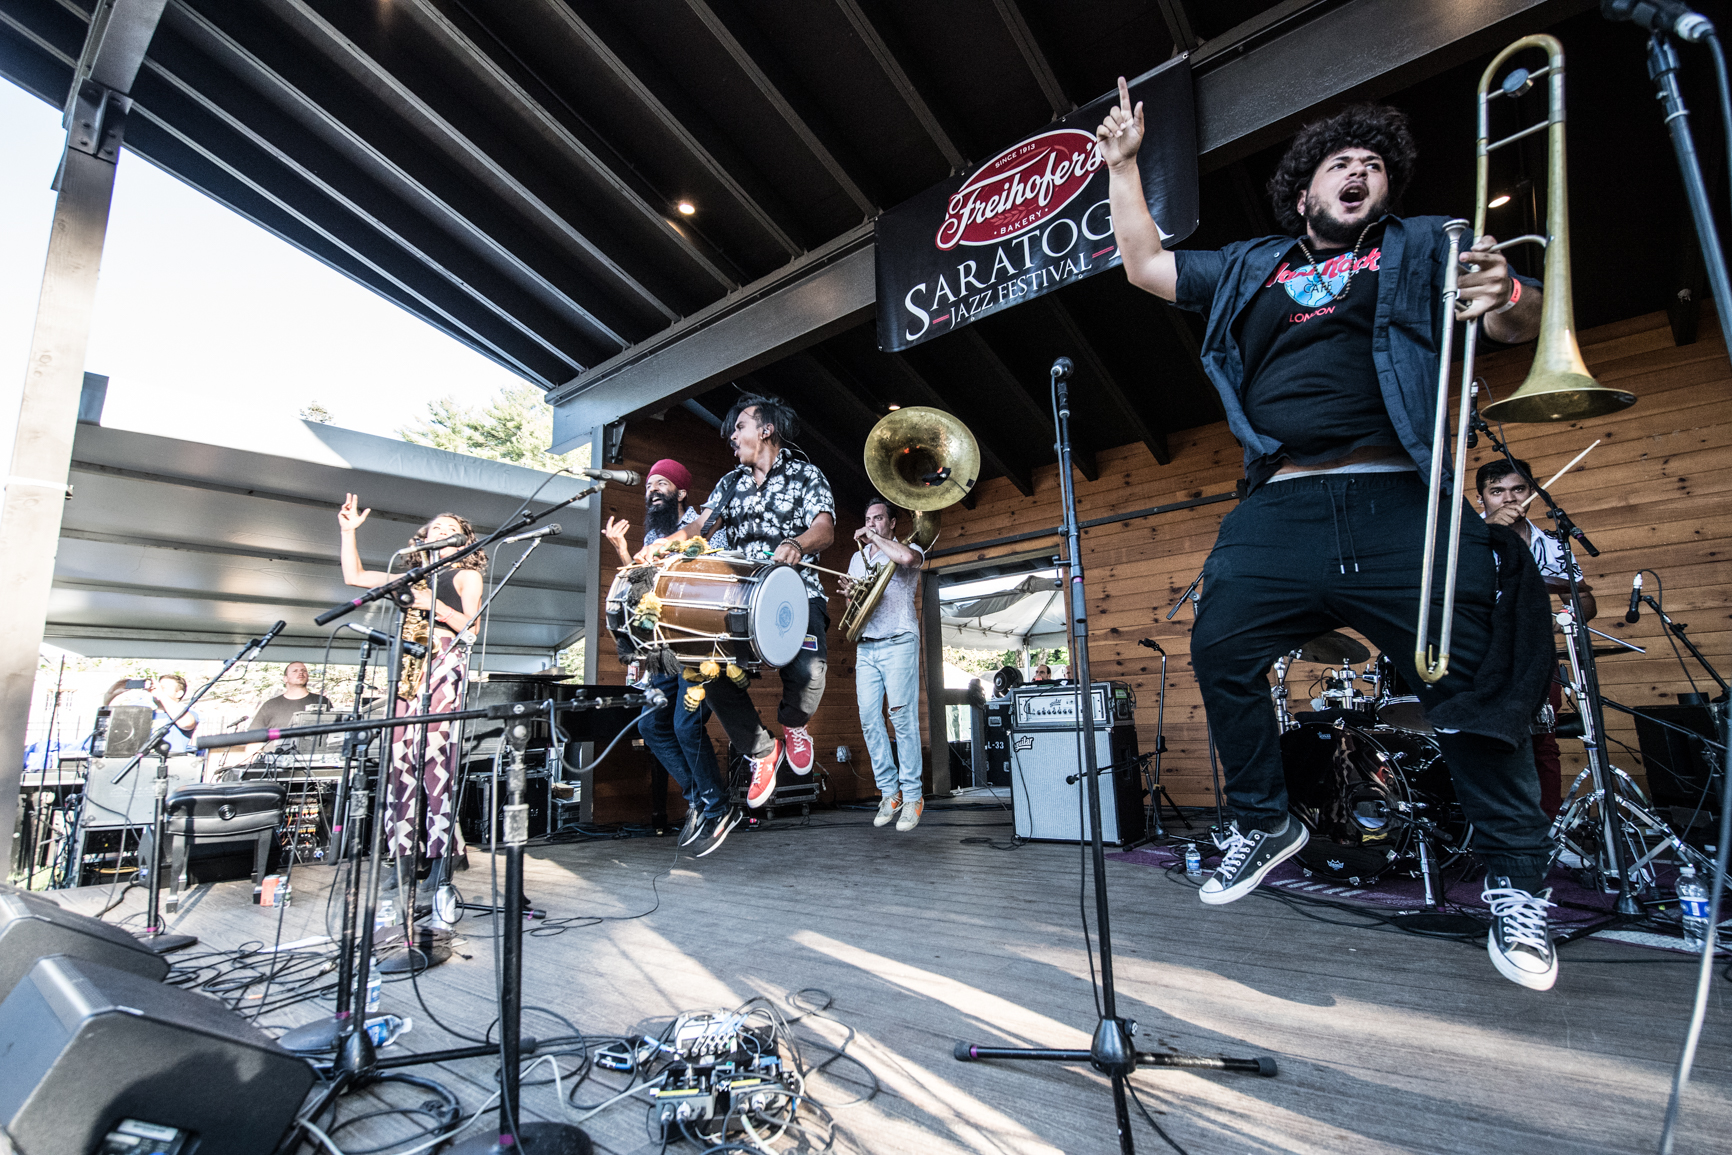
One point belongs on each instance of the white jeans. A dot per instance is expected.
(890, 668)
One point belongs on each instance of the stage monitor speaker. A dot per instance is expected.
(1046, 808)
(32, 926)
(122, 733)
(93, 1059)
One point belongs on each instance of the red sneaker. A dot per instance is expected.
(764, 776)
(801, 754)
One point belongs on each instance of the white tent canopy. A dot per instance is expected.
(183, 548)
(1026, 612)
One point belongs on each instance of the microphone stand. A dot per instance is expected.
(1579, 640)
(1159, 791)
(448, 904)
(1677, 631)
(351, 805)
(1663, 70)
(1196, 599)
(152, 935)
(1111, 1051)
(356, 1063)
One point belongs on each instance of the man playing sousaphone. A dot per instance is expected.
(444, 620)
(773, 505)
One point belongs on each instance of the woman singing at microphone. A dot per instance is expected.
(443, 672)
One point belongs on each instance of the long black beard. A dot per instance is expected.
(1334, 231)
(661, 515)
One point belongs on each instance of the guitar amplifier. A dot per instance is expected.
(1042, 735)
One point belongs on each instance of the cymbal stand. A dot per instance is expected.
(1111, 1052)
(1585, 678)
(1157, 791)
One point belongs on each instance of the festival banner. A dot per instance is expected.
(1032, 219)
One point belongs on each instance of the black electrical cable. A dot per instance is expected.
(1137, 1099)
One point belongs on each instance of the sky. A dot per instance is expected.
(204, 317)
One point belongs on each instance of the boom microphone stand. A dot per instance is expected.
(1111, 1051)
(152, 935)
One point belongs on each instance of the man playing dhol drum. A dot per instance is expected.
(777, 506)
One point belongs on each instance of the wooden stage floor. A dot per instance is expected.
(1386, 1042)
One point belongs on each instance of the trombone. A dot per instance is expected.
(1558, 387)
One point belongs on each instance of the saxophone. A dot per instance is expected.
(414, 669)
(924, 460)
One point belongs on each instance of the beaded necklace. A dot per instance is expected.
(1352, 266)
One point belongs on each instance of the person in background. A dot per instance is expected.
(1502, 494)
(279, 712)
(1043, 673)
(168, 696)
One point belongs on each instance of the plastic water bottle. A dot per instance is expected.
(1193, 861)
(385, 914)
(1693, 907)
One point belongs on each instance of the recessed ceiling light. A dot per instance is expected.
(687, 208)
(1496, 202)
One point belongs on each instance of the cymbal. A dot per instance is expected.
(1332, 649)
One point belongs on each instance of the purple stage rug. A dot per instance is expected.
(1395, 891)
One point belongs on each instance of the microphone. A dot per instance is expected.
(1634, 613)
(378, 638)
(1660, 16)
(623, 476)
(1152, 644)
(440, 543)
(545, 531)
(1061, 369)
(272, 636)
(1473, 416)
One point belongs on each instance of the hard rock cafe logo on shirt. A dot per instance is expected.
(1320, 289)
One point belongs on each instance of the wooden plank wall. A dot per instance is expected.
(1652, 495)
(622, 784)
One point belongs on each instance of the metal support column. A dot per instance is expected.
(35, 484)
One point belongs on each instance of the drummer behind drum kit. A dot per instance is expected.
(1364, 773)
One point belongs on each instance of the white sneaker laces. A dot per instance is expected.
(1237, 850)
(1523, 916)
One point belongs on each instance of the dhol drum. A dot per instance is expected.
(717, 605)
(1358, 791)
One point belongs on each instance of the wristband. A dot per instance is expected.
(1515, 294)
(795, 544)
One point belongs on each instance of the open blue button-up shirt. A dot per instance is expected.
(1405, 336)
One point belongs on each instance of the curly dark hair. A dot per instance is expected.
(1377, 127)
(772, 411)
(476, 560)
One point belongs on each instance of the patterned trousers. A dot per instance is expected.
(448, 671)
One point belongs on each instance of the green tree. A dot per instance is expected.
(516, 426)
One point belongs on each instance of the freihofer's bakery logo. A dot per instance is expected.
(1031, 220)
(1019, 188)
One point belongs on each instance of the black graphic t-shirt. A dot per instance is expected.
(758, 518)
(1310, 382)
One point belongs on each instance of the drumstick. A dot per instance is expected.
(1559, 473)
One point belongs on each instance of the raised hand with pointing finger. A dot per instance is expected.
(1121, 133)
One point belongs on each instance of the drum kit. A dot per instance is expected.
(1364, 771)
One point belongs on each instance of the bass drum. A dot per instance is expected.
(1356, 791)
